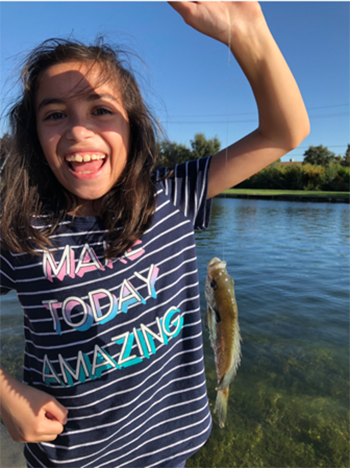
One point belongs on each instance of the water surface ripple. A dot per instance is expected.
(289, 401)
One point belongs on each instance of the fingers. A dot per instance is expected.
(41, 429)
(44, 427)
(209, 18)
(29, 414)
(183, 7)
(55, 411)
(49, 429)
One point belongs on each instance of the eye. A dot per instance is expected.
(213, 284)
(102, 111)
(55, 116)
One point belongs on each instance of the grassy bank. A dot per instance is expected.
(270, 192)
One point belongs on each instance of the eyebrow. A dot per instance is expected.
(89, 97)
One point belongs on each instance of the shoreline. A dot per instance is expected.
(299, 198)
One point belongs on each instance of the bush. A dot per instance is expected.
(334, 177)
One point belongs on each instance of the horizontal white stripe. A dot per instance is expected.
(74, 247)
(105, 278)
(124, 323)
(152, 374)
(37, 460)
(181, 441)
(138, 395)
(133, 440)
(89, 353)
(147, 368)
(6, 276)
(79, 314)
(130, 423)
(117, 381)
(166, 260)
(185, 452)
(8, 263)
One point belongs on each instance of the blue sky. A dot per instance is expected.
(186, 77)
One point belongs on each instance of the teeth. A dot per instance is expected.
(80, 157)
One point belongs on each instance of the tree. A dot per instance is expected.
(346, 160)
(201, 147)
(171, 153)
(319, 156)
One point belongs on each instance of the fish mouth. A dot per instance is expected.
(216, 263)
(85, 162)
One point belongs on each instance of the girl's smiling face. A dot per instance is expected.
(83, 129)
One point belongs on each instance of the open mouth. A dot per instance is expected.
(85, 163)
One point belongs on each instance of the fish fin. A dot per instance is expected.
(227, 378)
(217, 315)
(211, 324)
(221, 406)
(206, 319)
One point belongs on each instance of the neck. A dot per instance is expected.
(86, 208)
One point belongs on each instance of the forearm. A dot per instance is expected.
(7, 389)
(282, 115)
(283, 120)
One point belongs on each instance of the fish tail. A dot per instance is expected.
(221, 406)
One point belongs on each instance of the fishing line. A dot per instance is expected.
(227, 115)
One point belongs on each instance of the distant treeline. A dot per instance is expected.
(320, 170)
(334, 178)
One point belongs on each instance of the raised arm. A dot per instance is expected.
(283, 120)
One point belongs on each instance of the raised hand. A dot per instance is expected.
(219, 20)
(283, 120)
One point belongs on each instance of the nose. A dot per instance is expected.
(78, 130)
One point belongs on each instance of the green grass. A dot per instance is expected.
(287, 192)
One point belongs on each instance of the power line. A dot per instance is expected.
(252, 113)
(341, 114)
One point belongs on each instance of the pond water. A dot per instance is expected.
(289, 403)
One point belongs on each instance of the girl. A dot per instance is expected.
(101, 251)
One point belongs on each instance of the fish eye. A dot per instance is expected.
(213, 284)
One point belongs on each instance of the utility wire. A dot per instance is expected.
(241, 121)
(252, 113)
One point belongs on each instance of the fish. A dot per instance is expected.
(222, 321)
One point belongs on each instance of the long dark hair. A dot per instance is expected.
(29, 188)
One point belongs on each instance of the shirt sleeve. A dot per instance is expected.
(187, 187)
(7, 272)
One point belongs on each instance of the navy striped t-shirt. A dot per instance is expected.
(119, 343)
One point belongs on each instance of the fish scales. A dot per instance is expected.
(222, 320)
